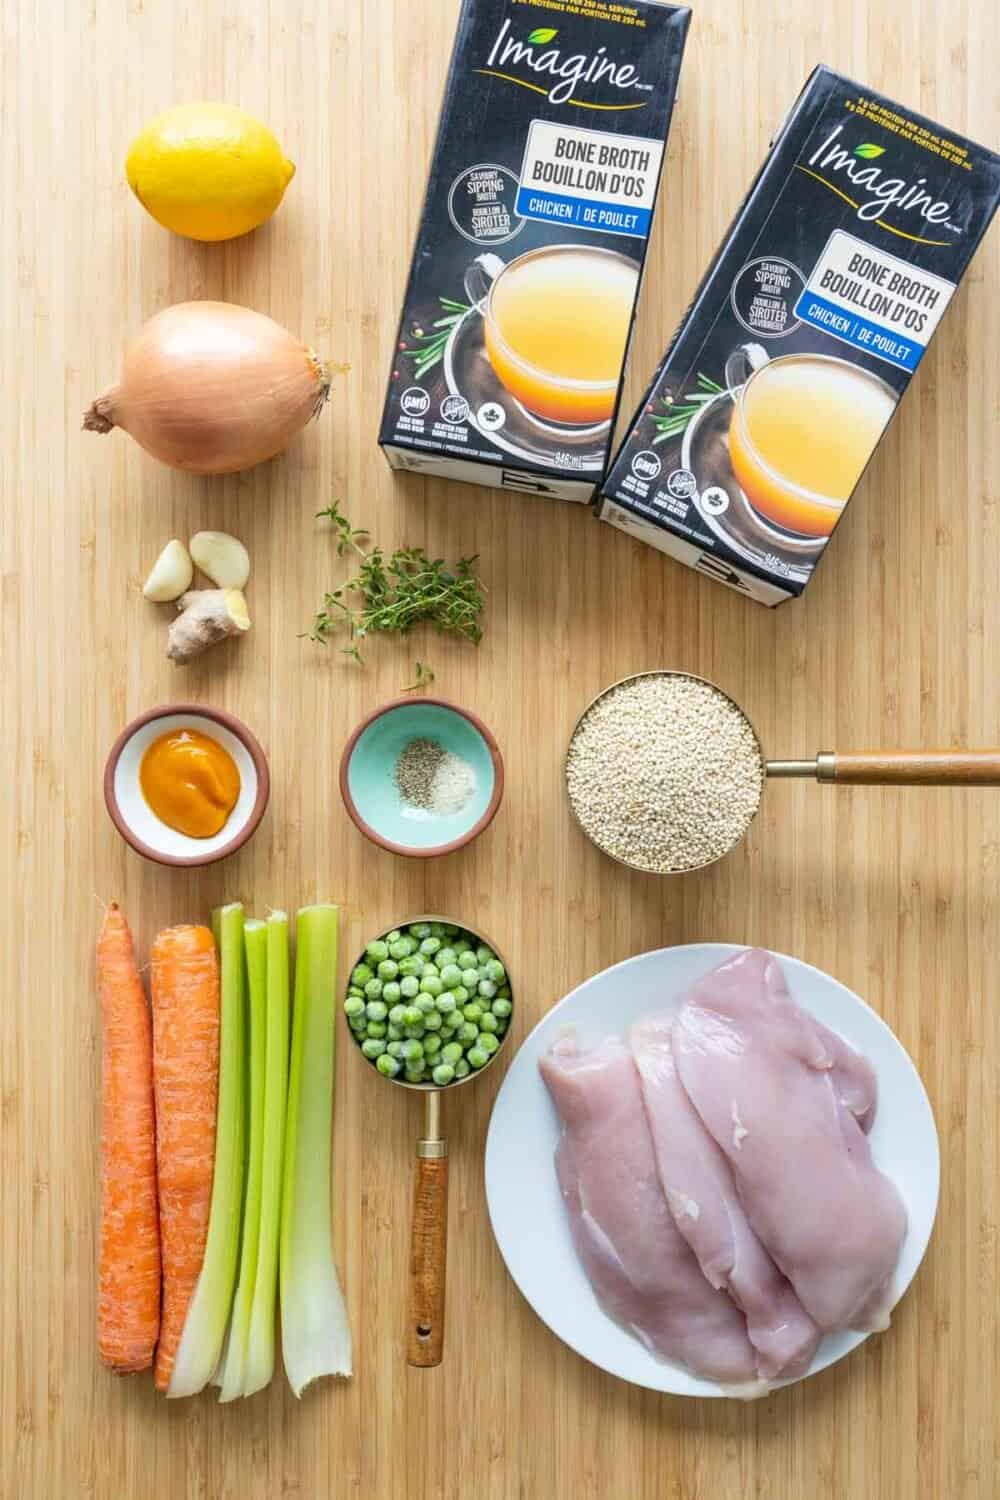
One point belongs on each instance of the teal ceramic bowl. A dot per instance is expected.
(368, 776)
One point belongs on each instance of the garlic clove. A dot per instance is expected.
(221, 557)
(170, 575)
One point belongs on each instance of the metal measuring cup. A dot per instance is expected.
(845, 768)
(429, 1225)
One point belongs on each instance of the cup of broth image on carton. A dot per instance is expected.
(801, 339)
(518, 311)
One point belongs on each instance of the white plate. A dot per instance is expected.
(526, 1209)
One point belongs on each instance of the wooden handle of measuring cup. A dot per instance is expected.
(428, 1258)
(911, 767)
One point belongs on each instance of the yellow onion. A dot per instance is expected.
(212, 388)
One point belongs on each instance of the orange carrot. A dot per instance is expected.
(128, 1297)
(186, 1084)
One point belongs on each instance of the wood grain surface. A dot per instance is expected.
(896, 892)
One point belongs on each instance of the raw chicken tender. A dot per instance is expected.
(787, 1105)
(641, 1269)
(701, 1195)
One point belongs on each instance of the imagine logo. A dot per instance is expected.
(569, 72)
(879, 192)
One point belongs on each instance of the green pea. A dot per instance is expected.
(462, 1069)
(486, 1043)
(409, 966)
(387, 1065)
(373, 989)
(416, 1074)
(388, 969)
(420, 929)
(452, 1020)
(478, 1057)
(472, 1011)
(430, 971)
(401, 947)
(496, 971)
(438, 929)
(391, 993)
(429, 946)
(445, 956)
(359, 1026)
(451, 1052)
(414, 1031)
(394, 1048)
(394, 1033)
(488, 1021)
(432, 986)
(451, 975)
(466, 958)
(412, 1016)
(354, 1006)
(487, 989)
(377, 1028)
(484, 954)
(501, 1007)
(443, 1073)
(412, 1050)
(504, 992)
(376, 1010)
(433, 1020)
(467, 1033)
(409, 986)
(432, 1045)
(502, 1024)
(425, 1004)
(397, 1015)
(361, 974)
(373, 1047)
(446, 1002)
(377, 950)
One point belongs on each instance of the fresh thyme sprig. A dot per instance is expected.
(427, 348)
(391, 596)
(423, 677)
(679, 415)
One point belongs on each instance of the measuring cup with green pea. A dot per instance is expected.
(429, 1004)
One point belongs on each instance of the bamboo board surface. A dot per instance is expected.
(897, 893)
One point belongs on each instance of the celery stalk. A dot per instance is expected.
(208, 1315)
(315, 1335)
(235, 1353)
(260, 1349)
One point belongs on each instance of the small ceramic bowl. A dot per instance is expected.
(135, 819)
(374, 801)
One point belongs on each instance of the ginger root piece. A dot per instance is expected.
(207, 617)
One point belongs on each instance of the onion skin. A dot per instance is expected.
(212, 388)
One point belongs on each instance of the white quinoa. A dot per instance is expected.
(664, 773)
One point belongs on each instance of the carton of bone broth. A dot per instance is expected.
(801, 339)
(522, 289)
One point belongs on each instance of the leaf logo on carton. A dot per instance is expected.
(568, 73)
(869, 152)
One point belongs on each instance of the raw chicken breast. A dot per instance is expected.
(701, 1195)
(642, 1271)
(787, 1109)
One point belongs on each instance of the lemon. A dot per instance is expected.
(208, 171)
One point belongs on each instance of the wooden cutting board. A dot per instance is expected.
(896, 893)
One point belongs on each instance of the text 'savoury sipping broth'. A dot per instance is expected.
(525, 273)
(801, 339)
